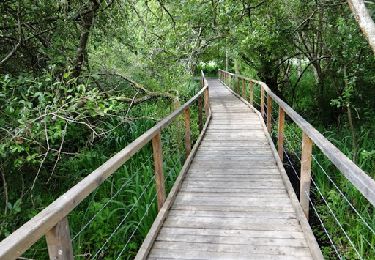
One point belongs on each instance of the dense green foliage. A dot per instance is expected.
(79, 80)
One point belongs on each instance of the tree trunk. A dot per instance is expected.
(87, 20)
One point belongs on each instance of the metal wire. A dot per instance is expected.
(122, 221)
(331, 211)
(324, 228)
(337, 221)
(137, 227)
(291, 164)
(101, 209)
(342, 194)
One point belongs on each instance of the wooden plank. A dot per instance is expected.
(229, 190)
(58, 241)
(231, 240)
(234, 223)
(222, 232)
(213, 213)
(240, 249)
(269, 113)
(158, 164)
(279, 208)
(280, 133)
(305, 178)
(184, 254)
(187, 132)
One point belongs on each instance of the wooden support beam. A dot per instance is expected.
(251, 93)
(243, 88)
(158, 163)
(58, 241)
(200, 115)
(238, 85)
(269, 114)
(206, 101)
(187, 132)
(305, 179)
(262, 101)
(280, 133)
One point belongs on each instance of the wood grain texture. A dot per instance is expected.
(158, 164)
(269, 114)
(59, 243)
(305, 178)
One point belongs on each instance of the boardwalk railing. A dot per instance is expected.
(310, 136)
(52, 222)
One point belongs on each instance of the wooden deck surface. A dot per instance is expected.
(233, 202)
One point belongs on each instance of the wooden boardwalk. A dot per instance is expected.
(235, 201)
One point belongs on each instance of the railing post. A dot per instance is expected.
(200, 116)
(158, 163)
(269, 113)
(305, 179)
(280, 133)
(262, 101)
(206, 102)
(238, 85)
(243, 88)
(187, 131)
(251, 92)
(58, 241)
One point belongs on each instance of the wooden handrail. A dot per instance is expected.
(364, 183)
(23, 238)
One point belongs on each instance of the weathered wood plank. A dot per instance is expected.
(181, 254)
(280, 133)
(222, 232)
(59, 243)
(248, 249)
(305, 178)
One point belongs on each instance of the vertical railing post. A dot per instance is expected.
(200, 115)
(206, 101)
(269, 113)
(243, 88)
(280, 133)
(238, 85)
(58, 241)
(262, 100)
(251, 93)
(187, 131)
(158, 163)
(305, 179)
